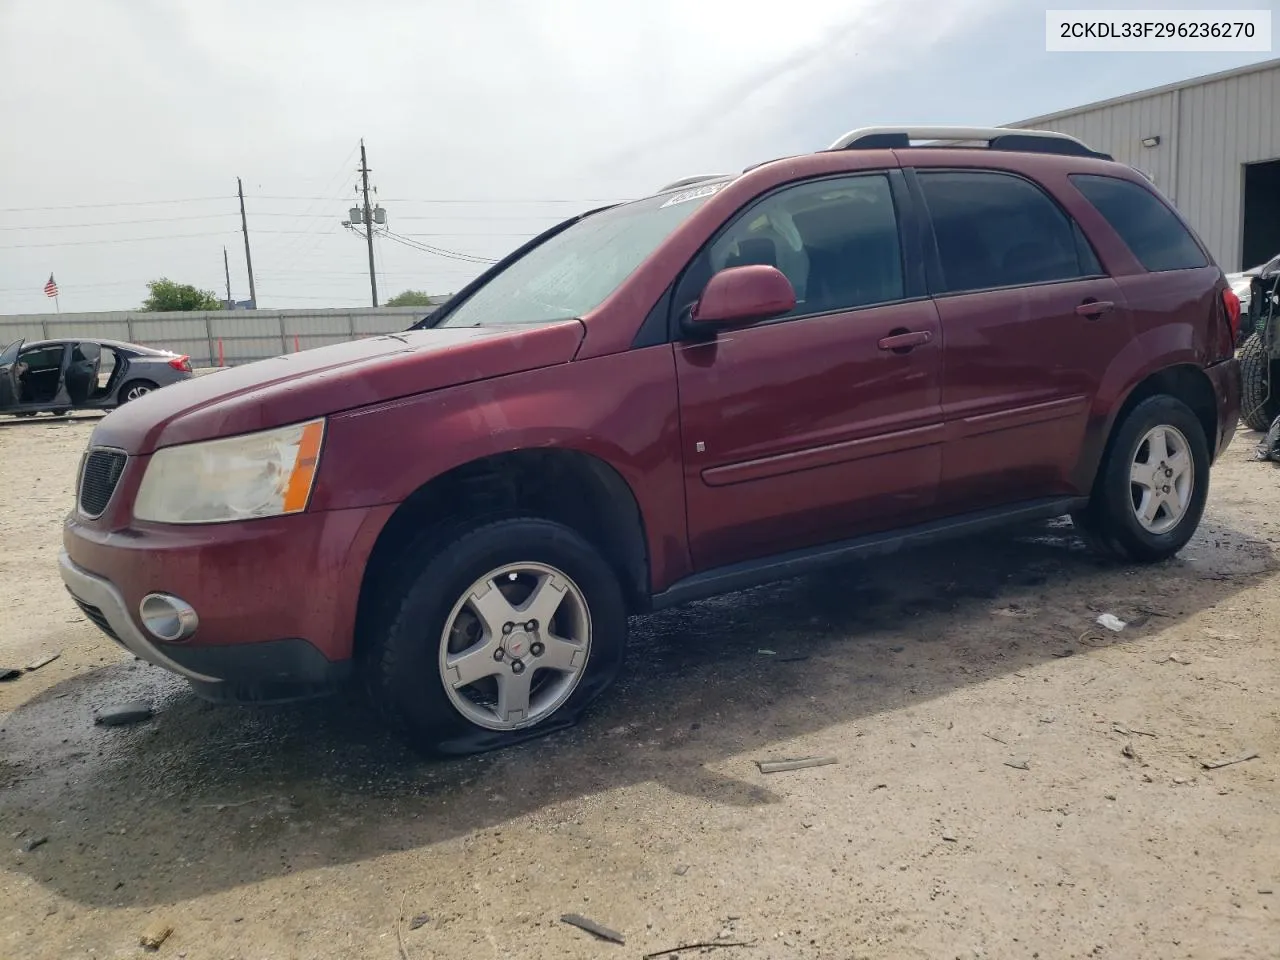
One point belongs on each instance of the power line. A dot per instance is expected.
(453, 200)
(88, 243)
(439, 251)
(119, 203)
(118, 223)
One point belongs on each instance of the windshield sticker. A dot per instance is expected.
(696, 194)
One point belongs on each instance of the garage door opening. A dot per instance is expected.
(1261, 213)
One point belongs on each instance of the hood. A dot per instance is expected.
(328, 380)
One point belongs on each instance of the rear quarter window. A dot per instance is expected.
(1152, 232)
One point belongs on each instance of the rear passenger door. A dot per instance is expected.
(1030, 324)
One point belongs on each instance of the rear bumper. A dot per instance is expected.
(276, 599)
(1225, 377)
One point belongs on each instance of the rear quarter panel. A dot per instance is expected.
(621, 409)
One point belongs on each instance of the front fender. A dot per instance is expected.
(621, 409)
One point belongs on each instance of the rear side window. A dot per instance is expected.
(999, 230)
(1152, 232)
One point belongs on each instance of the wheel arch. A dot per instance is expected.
(1184, 381)
(568, 486)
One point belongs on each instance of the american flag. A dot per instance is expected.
(51, 288)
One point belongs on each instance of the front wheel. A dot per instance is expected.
(499, 634)
(1152, 485)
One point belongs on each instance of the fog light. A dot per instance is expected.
(168, 618)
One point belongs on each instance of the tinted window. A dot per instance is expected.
(835, 240)
(1147, 226)
(85, 352)
(997, 230)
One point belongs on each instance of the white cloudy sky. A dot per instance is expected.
(126, 122)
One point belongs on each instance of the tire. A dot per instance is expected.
(61, 413)
(1259, 404)
(424, 618)
(134, 389)
(1111, 524)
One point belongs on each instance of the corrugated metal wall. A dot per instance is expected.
(211, 337)
(1208, 131)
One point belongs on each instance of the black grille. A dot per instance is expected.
(95, 615)
(98, 479)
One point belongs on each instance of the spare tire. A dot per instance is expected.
(1259, 404)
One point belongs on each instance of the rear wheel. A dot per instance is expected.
(135, 389)
(1151, 488)
(495, 635)
(1259, 402)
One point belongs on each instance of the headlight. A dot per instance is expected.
(264, 474)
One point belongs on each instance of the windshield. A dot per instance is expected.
(573, 272)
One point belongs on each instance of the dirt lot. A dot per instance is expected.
(1013, 781)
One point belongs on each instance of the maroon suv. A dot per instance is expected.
(738, 379)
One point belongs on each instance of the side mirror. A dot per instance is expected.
(743, 294)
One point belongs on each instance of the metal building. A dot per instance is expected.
(1212, 146)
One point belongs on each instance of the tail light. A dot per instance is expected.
(1232, 303)
(184, 363)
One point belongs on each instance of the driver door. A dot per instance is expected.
(9, 375)
(815, 426)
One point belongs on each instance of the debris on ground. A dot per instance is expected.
(1018, 764)
(44, 661)
(1125, 731)
(593, 928)
(1174, 658)
(949, 837)
(1110, 621)
(767, 653)
(1129, 752)
(1217, 764)
(800, 763)
(120, 714)
(795, 659)
(421, 920)
(34, 842)
(9, 673)
(990, 736)
(708, 945)
(155, 935)
(681, 870)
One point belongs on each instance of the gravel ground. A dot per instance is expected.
(1012, 781)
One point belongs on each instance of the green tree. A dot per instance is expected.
(410, 298)
(167, 295)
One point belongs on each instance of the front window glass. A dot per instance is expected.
(573, 272)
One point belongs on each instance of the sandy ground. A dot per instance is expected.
(1012, 780)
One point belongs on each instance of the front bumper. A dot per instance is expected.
(103, 604)
(276, 598)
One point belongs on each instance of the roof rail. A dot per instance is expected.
(995, 138)
(689, 181)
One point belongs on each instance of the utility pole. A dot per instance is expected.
(226, 269)
(248, 257)
(368, 223)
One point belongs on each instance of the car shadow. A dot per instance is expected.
(203, 798)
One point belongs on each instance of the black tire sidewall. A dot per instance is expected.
(132, 385)
(1258, 402)
(405, 670)
(1113, 515)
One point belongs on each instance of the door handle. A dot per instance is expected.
(1093, 309)
(904, 341)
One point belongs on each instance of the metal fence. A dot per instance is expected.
(216, 338)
